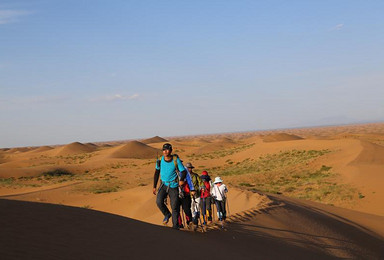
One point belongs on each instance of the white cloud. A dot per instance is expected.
(338, 27)
(118, 97)
(11, 16)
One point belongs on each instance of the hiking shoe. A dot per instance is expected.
(194, 227)
(190, 225)
(166, 219)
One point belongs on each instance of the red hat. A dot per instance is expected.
(204, 173)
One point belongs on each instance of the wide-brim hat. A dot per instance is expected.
(217, 180)
(189, 165)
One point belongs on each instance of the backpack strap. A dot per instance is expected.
(175, 156)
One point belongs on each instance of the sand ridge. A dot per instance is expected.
(372, 154)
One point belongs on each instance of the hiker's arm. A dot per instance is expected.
(155, 180)
(189, 181)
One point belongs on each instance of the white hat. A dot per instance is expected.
(217, 180)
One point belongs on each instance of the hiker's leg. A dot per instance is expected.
(187, 208)
(195, 210)
(161, 195)
(219, 210)
(209, 209)
(203, 209)
(175, 205)
(223, 209)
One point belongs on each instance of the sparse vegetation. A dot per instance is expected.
(219, 154)
(290, 173)
(98, 190)
(57, 173)
(271, 162)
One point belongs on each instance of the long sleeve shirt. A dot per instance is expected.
(218, 192)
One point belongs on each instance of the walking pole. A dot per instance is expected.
(201, 224)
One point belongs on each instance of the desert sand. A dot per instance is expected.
(293, 193)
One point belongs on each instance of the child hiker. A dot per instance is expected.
(206, 201)
(218, 193)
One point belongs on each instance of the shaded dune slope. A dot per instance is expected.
(135, 149)
(288, 231)
(281, 137)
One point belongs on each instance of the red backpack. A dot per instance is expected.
(206, 180)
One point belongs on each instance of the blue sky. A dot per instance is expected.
(109, 70)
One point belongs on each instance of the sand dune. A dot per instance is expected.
(261, 226)
(3, 159)
(284, 230)
(20, 150)
(280, 137)
(372, 154)
(135, 149)
(42, 149)
(92, 145)
(155, 139)
(217, 144)
(74, 148)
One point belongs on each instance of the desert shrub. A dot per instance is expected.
(56, 173)
(7, 181)
(105, 189)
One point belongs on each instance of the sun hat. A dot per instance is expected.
(189, 165)
(167, 146)
(217, 180)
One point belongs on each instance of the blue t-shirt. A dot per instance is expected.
(168, 173)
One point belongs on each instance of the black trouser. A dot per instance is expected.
(205, 204)
(174, 200)
(221, 212)
(186, 205)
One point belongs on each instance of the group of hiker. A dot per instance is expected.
(186, 189)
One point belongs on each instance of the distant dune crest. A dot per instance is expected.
(155, 139)
(42, 149)
(75, 148)
(281, 137)
(136, 150)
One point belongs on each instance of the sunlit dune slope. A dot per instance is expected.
(74, 148)
(372, 154)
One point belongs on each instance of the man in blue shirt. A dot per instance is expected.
(172, 174)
